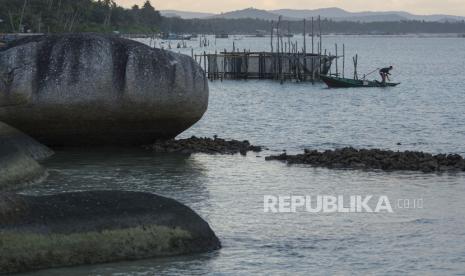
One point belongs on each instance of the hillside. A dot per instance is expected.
(248, 13)
(335, 14)
(185, 14)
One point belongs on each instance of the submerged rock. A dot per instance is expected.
(94, 89)
(18, 155)
(17, 169)
(24, 143)
(376, 159)
(38, 232)
(204, 145)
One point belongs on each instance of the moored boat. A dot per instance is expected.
(336, 82)
(173, 36)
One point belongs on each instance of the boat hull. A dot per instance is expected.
(335, 82)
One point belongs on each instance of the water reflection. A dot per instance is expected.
(124, 169)
(228, 192)
(424, 113)
(198, 264)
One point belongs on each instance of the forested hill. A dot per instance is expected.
(76, 16)
(106, 16)
(250, 26)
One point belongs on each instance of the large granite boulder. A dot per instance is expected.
(93, 89)
(18, 155)
(68, 229)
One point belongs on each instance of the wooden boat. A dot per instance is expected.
(173, 36)
(336, 82)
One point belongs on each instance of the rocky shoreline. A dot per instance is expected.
(204, 145)
(95, 90)
(99, 90)
(376, 159)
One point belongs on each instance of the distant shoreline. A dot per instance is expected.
(445, 35)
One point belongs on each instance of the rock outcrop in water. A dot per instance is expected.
(204, 145)
(18, 155)
(96, 227)
(376, 159)
(93, 89)
(23, 143)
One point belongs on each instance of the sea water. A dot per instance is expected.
(426, 112)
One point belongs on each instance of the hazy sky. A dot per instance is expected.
(452, 7)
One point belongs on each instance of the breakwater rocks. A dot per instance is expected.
(18, 159)
(38, 232)
(203, 145)
(95, 89)
(376, 159)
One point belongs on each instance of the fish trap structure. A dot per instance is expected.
(265, 65)
(285, 60)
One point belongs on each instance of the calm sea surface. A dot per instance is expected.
(426, 112)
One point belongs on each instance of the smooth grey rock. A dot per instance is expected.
(38, 232)
(16, 168)
(18, 155)
(93, 89)
(24, 143)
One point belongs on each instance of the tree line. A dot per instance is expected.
(252, 26)
(76, 16)
(106, 16)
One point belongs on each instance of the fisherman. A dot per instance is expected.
(384, 72)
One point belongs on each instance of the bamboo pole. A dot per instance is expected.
(281, 61)
(313, 51)
(224, 65)
(271, 40)
(289, 34)
(343, 60)
(319, 57)
(305, 37)
(246, 64)
(221, 74)
(205, 63)
(337, 61)
(321, 33)
(330, 68)
(312, 36)
(355, 59)
(277, 59)
(215, 73)
(320, 43)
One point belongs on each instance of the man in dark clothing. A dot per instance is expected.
(385, 73)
